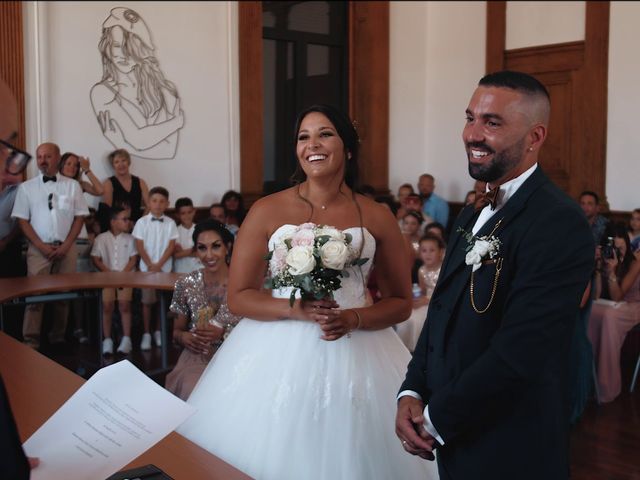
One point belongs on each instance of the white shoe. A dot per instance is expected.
(157, 337)
(107, 346)
(145, 344)
(125, 345)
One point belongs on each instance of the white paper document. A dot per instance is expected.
(117, 415)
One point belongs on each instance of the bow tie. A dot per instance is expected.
(487, 198)
(154, 219)
(46, 179)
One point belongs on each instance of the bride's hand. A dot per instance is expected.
(316, 310)
(339, 326)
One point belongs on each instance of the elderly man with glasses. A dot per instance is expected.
(50, 210)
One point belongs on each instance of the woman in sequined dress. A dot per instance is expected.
(308, 391)
(200, 300)
(431, 252)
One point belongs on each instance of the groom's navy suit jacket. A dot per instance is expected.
(496, 382)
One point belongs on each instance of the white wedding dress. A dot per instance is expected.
(277, 402)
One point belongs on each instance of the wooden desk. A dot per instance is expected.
(37, 387)
(48, 288)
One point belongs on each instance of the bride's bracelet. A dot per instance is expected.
(359, 319)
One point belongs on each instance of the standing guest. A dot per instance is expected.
(200, 300)
(589, 202)
(186, 259)
(433, 205)
(50, 210)
(115, 251)
(431, 254)
(610, 322)
(634, 230)
(123, 189)
(73, 166)
(488, 382)
(155, 235)
(234, 211)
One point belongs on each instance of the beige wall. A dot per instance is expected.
(437, 56)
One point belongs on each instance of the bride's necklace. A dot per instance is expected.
(323, 206)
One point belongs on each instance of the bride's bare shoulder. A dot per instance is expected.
(377, 217)
(275, 209)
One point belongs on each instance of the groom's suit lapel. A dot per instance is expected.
(505, 216)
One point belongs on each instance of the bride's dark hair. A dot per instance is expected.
(347, 134)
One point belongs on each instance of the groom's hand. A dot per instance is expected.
(410, 428)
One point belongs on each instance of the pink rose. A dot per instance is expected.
(307, 226)
(303, 238)
(278, 259)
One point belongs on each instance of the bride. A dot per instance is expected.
(309, 391)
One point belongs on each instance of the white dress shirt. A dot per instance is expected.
(185, 239)
(114, 250)
(50, 207)
(507, 190)
(156, 235)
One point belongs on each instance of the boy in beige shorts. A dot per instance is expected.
(115, 251)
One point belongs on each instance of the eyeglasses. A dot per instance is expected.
(17, 159)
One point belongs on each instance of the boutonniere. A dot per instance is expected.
(480, 248)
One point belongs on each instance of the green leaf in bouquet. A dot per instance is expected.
(322, 239)
(345, 274)
(268, 256)
(306, 284)
(348, 237)
(269, 283)
(358, 262)
(292, 297)
(287, 242)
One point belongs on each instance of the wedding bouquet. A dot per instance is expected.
(311, 259)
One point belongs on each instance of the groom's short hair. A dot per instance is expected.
(526, 85)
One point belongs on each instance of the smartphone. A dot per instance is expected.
(148, 472)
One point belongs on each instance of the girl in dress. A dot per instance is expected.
(308, 391)
(431, 253)
(200, 300)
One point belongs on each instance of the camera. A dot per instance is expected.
(609, 250)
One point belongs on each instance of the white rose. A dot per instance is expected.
(482, 247)
(334, 254)
(473, 258)
(300, 260)
(332, 233)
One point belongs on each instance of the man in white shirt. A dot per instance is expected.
(50, 210)
(487, 385)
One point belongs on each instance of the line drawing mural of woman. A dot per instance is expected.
(137, 108)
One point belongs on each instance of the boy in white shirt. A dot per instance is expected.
(155, 236)
(184, 254)
(115, 251)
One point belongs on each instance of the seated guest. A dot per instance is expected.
(634, 230)
(589, 203)
(609, 322)
(433, 205)
(73, 166)
(411, 224)
(200, 300)
(403, 191)
(437, 229)
(413, 202)
(233, 210)
(115, 251)
(431, 254)
(216, 211)
(470, 197)
(184, 255)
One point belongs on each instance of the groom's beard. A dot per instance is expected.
(502, 162)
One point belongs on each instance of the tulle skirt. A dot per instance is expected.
(277, 402)
(409, 330)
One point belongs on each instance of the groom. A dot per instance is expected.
(491, 363)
